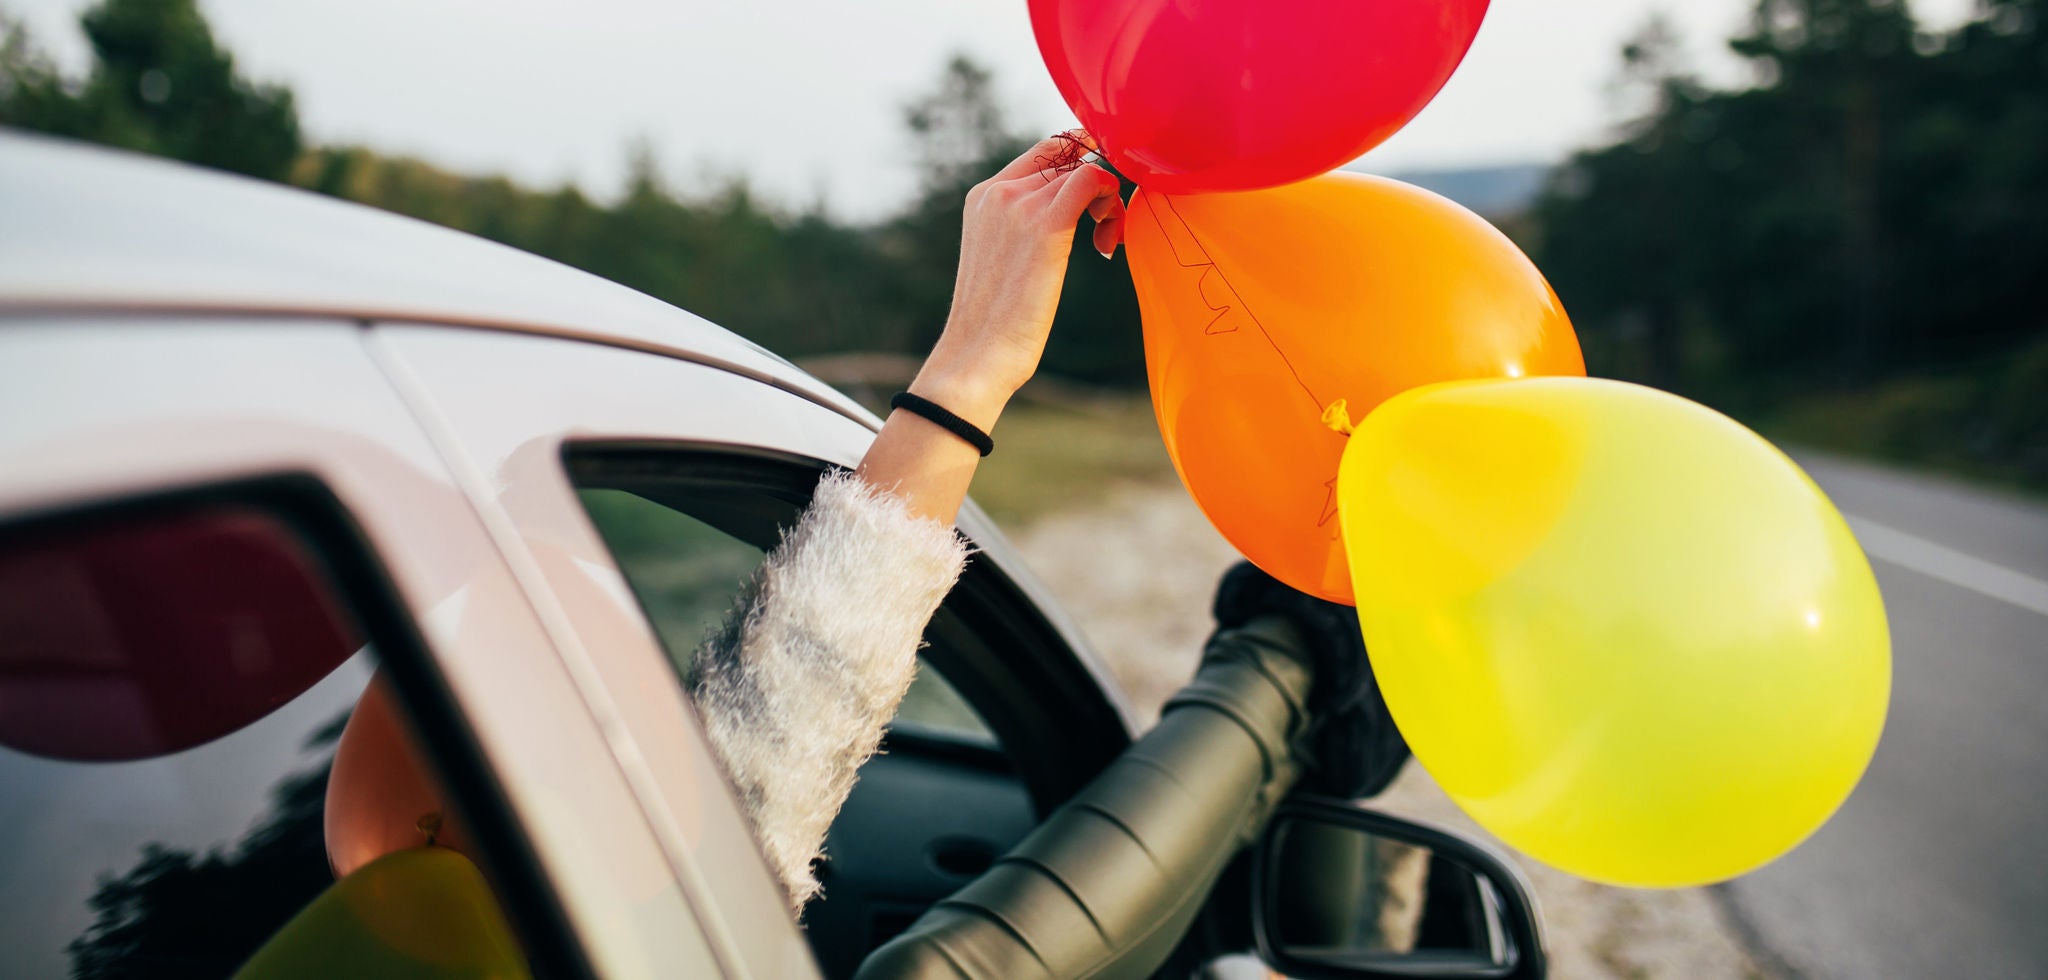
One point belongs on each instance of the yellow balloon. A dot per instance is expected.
(1623, 632)
(419, 914)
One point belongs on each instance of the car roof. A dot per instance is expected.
(85, 228)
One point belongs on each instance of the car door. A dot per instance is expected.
(640, 490)
(259, 486)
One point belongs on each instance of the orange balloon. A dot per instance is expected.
(382, 796)
(1263, 308)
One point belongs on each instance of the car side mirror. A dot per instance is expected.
(1340, 892)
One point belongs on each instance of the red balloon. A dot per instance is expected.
(136, 637)
(1219, 95)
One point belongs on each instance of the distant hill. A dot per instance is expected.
(1492, 191)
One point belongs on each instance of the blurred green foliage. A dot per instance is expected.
(798, 283)
(158, 84)
(1983, 418)
(1861, 235)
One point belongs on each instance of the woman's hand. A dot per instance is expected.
(1017, 233)
(1014, 243)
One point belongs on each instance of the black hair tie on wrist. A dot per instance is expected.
(931, 412)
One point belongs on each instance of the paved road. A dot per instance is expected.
(1938, 865)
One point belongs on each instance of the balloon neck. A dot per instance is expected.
(1338, 417)
(430, 825)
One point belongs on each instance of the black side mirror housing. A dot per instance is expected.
(1340, 892)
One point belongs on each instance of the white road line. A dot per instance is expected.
(1949, 565)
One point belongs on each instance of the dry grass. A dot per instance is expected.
(1053, 457)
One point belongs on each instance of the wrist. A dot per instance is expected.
(974, 395)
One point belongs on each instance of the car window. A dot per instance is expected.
(687, 574)
(684, 572)
(174, 681)
(1004, 723)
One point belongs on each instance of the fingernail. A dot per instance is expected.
(1110, 254)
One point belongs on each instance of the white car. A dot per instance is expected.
(255, 443)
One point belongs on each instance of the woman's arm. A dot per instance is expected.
(795, 691)
(1016, 234)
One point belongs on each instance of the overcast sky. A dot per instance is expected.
(803, 95)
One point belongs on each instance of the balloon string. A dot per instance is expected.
(1072, 153)
(1202, 260)
(1338, 417)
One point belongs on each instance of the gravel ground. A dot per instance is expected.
(1137, 571)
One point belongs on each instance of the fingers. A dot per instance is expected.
(1044, 155)
(1065, 195)
(1090, 189)
(1108, 213)
(1109, 232)
(1083, 190)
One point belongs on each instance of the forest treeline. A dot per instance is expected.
(1854, 241)
(1855, 246)
(795, 281)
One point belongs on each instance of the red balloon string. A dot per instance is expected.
(1071, 154)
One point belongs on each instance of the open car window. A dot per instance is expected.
(176, 677)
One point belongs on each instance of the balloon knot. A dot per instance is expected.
(1338, 417)
(430, 825)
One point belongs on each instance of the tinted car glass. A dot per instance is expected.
(173, 685)
(687, 574)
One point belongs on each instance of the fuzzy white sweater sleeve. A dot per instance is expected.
(794, 692)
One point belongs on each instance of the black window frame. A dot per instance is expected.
(341, 551)
(990, 641)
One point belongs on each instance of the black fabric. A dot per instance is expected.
(936, 414)
(1354, 750)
